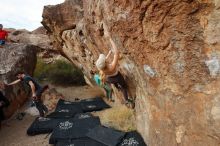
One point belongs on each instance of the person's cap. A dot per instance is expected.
(100, 63)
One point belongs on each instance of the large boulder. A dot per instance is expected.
(14, 57)
(170, 54)
(37, 37)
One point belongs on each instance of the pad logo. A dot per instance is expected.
(43, 119)
(67, 102)
(91, 106)
(130, 142)
(89, 99)
(64, 110)
(66, 125)
(83, 116)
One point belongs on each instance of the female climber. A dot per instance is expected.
(109, 72)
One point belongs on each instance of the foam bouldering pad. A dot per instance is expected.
(132, 139)
(72, 106)
(93, 104)
(107, 136)
(67, 111)
(79, 142)
(73, 129)
(65, 102)
(61, 114)
(42, 126)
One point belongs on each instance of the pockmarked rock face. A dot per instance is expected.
(170, 54)
(15, 57)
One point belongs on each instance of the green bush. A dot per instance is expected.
(60, 73)
(41, 70)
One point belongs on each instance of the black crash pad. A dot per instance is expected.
(73, 129)
(72, 106)
(107, 136)
(66, 113)
(93, 104)
(42, 126)
(65, 102)
(132, 139)
(79, 142)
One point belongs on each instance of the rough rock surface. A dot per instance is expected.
(38, 37)
(14, 57)
(50, 98)
(170, 54)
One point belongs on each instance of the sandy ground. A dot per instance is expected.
(14, 132)
(81, 92)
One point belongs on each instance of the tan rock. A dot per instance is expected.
(169, 56)
(50, 98)
(16, 57)
(180, 130)
(38, 38)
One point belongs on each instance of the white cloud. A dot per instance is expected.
(22, 14)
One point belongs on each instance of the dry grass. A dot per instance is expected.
(120, 118)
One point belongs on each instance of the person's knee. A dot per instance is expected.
(2, 42)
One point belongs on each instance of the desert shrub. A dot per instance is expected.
(60, 72)
(41, 70)
(120, 117)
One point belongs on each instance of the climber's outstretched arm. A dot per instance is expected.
(109, 53)
(116, 55)
(115, 49)
(13, 83)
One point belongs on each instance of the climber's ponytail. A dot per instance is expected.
(102, 77)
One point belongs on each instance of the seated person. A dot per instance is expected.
(3, 36)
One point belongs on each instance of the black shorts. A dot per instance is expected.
(118, 80)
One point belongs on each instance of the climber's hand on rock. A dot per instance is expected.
(5, 85)
(106, 30)
(34, 97)
(1, 104)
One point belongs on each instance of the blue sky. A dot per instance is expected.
(23, 14)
